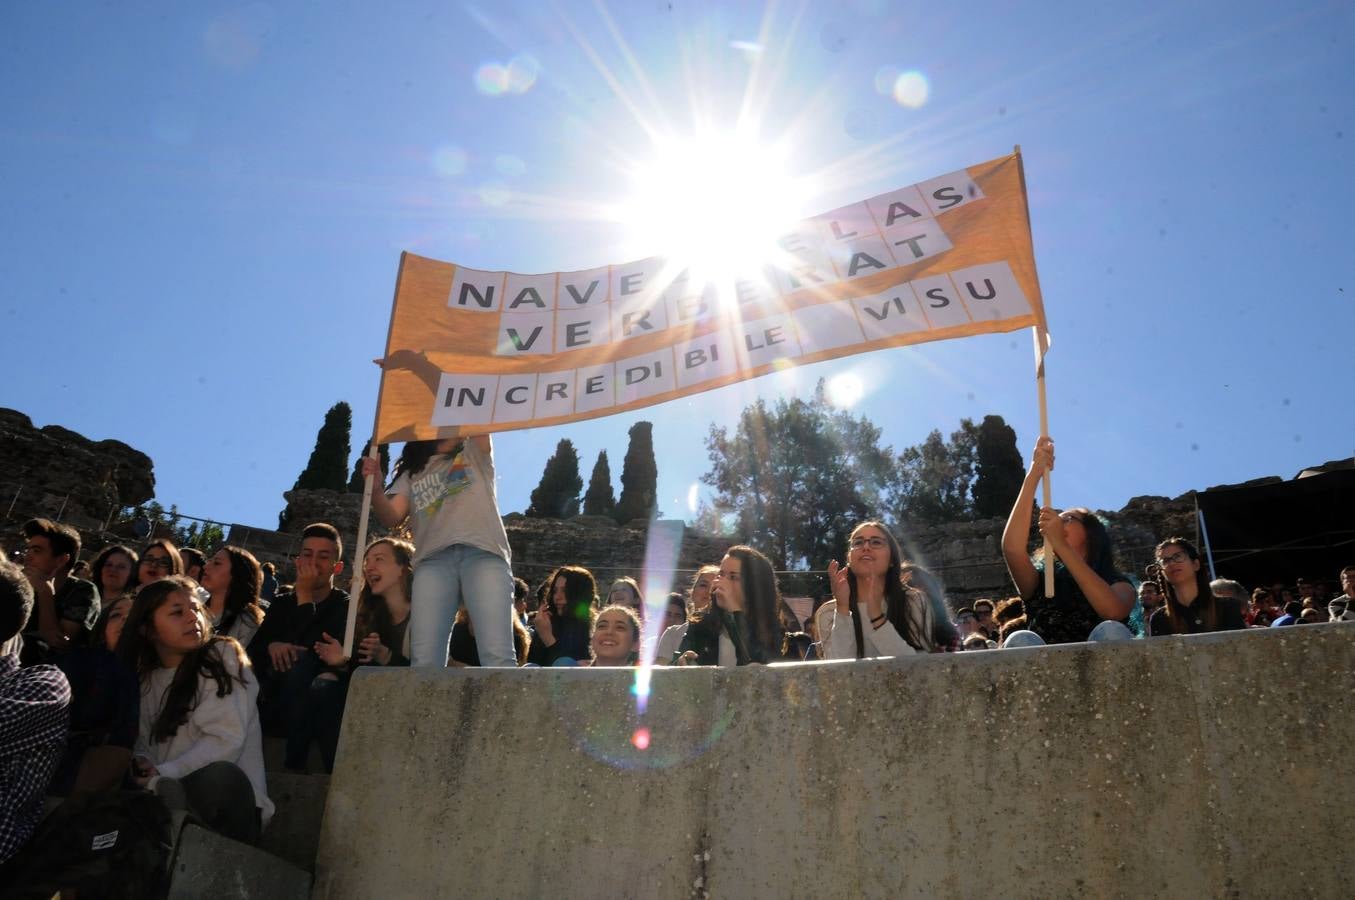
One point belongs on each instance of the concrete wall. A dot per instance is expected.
(1212, 766)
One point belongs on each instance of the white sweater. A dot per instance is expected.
(218, 729)
(882, 641)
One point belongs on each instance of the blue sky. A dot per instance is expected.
(203, 207)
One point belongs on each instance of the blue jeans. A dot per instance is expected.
(442, 581)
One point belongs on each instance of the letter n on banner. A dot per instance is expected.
(465, 400)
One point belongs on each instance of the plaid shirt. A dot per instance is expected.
(34, 705)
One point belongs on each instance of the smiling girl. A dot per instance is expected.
(616, 637)
(199, 743)
(875, 613)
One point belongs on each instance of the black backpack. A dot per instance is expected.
(112, 845)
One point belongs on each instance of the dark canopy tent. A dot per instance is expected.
(1268, 533)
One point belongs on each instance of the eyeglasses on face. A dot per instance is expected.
(874, 543)
(157, 562)
(1179, 556)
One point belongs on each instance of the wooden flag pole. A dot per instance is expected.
(373, 452)
(358, 580)
(1046, 488)
(1041, 347)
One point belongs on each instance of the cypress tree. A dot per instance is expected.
(383, 452)
(999, 470)
(639, 476)
(328, 465)
(557, 495)
(600, 500)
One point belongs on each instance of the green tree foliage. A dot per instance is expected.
(639, 476)
(328, 465)
(600, 500)
(557, 496)
(934, 478)
(383, 452)
(999, 469)
(796, 476)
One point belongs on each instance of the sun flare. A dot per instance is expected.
(713, 205)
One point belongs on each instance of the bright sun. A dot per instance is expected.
(714, 205)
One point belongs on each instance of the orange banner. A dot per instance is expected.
(471, 352)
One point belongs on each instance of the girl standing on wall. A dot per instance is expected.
(875, 613)
(1087, 588)
(445, 488)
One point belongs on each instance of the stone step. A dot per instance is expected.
(207, 866)
(294, 831)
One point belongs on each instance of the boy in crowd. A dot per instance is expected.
(66, 607)
(34, 706)
(283, 651)
(193, 562)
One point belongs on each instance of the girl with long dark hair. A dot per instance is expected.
(381, 632)
(743, 623)
(876, 614)
(1087, 587)
(698, 599)
(199, 745)
(445, 488)
(1189, 605)
(232, 579)
(563, 624)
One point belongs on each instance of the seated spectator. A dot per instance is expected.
(381, 632)
(34, 706)
(65, 608)
(743, 623)
(105, 705)
(1292, 610)
(269, 588)
(463, 652)
(521, 591)
(984, 611)
(625, 591)
(283, 652)
(822, 620)
(977, 641)
(193, 562)
(1342, 606)
(159, 559)
(1087, 587)
(1227, 589)
(1311, 616)
(114, 572)
(1150, 597)
(1190, 606)
(616, 637)
(871, 589)
(563, 625)
(232, 579)
(198, 745)
(966, 623)
(698, 598)
(1263, 611)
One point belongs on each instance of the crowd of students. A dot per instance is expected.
(166, 668)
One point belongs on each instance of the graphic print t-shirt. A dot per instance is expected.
(452, 501)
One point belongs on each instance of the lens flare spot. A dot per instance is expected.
(846, 390)
(491, 79)
(911, 89)
(521, 73)
(640, 739)
(449, 161)
(693, 496)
